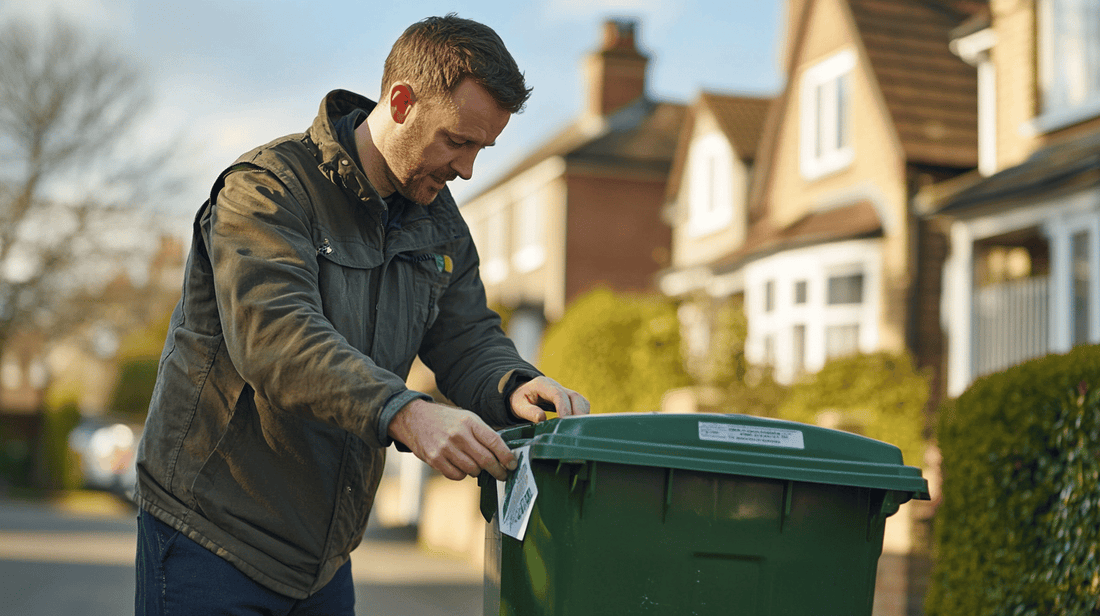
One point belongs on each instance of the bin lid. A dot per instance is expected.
(723, 443)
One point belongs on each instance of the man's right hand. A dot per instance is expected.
(453, 441)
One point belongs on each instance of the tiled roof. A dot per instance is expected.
(640, 136)
(931, 94)
(741, 118)
(855, 221)
(1063, 167)
(643, 134)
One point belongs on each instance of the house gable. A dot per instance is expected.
(827, 35)
(708, 184)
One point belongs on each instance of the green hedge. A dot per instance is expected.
(1018, 531)
(621, 351)
(879, 395)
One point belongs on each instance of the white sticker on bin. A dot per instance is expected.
(516, 496)
(750, 435)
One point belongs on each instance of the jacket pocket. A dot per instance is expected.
(422, 278)
(346, 278)
(272, 482)
(435, 272)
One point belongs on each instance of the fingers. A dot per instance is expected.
(579, 404)
(493, 454)
(531, 412)
(534, 398)
(468, 447)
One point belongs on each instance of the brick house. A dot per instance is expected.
(583, 209)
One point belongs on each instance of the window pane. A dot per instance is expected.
(711, 203)
(769, 296)
(841, 135)
(841, 340)
(1069, 53)
(799, 349)
(1081, 275)
(846, 289)
(800, 292)
(530, 221)
(820, 95)
(769, 350)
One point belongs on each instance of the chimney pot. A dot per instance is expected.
(618, 34)
(615, 74)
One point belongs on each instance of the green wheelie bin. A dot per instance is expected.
(696, 514)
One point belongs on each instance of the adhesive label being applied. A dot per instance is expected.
(516, 496)
(751, 435)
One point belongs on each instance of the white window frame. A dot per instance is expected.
(494, 262)
(530, 233)
(1069, 58)
(1061, 232)
(975, 50)
(1059, 219)
(710, 185)
(824, 77)
(815, 265)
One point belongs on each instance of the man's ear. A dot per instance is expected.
(401, 99)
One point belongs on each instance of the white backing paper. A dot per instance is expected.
(516, 496)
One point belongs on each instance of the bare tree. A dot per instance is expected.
(73, 173)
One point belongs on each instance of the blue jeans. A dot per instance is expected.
(178, 577)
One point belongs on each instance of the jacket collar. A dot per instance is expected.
(334, 161)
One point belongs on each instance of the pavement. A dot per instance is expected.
(393, 573)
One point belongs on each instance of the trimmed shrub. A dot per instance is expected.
(879, 395)
(138, 360)
(137, 378)
(622, 352)
(745, 389)
(61, 467)
(1018, 531)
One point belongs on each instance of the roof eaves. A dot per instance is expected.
(1072, 165)
(859, 220)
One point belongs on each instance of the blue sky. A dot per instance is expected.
(231, 74)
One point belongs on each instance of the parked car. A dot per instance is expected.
(106, 451)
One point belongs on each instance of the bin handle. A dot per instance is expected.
(488, 485)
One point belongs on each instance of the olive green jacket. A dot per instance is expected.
(287, 355)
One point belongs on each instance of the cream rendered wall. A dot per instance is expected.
(1014, 57)
(877, 171)
(688, 248)
(540, 285)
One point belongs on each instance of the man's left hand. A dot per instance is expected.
(526, 398)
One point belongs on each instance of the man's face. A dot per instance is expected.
(440, 138)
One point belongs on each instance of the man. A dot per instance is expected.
(322, 264)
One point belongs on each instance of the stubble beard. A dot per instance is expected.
(414, 182)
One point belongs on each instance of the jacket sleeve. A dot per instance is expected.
(265, 271)
(475, 364)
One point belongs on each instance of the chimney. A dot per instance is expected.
(615, 74)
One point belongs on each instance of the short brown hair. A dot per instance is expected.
(437, 53)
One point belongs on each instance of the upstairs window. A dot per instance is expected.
(1069, 61)
(826, 144)
(494, 267)
(710, 202)
(530, 253)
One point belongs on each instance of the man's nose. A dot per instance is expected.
(463, 164)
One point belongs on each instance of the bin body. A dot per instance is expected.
(637, 514)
